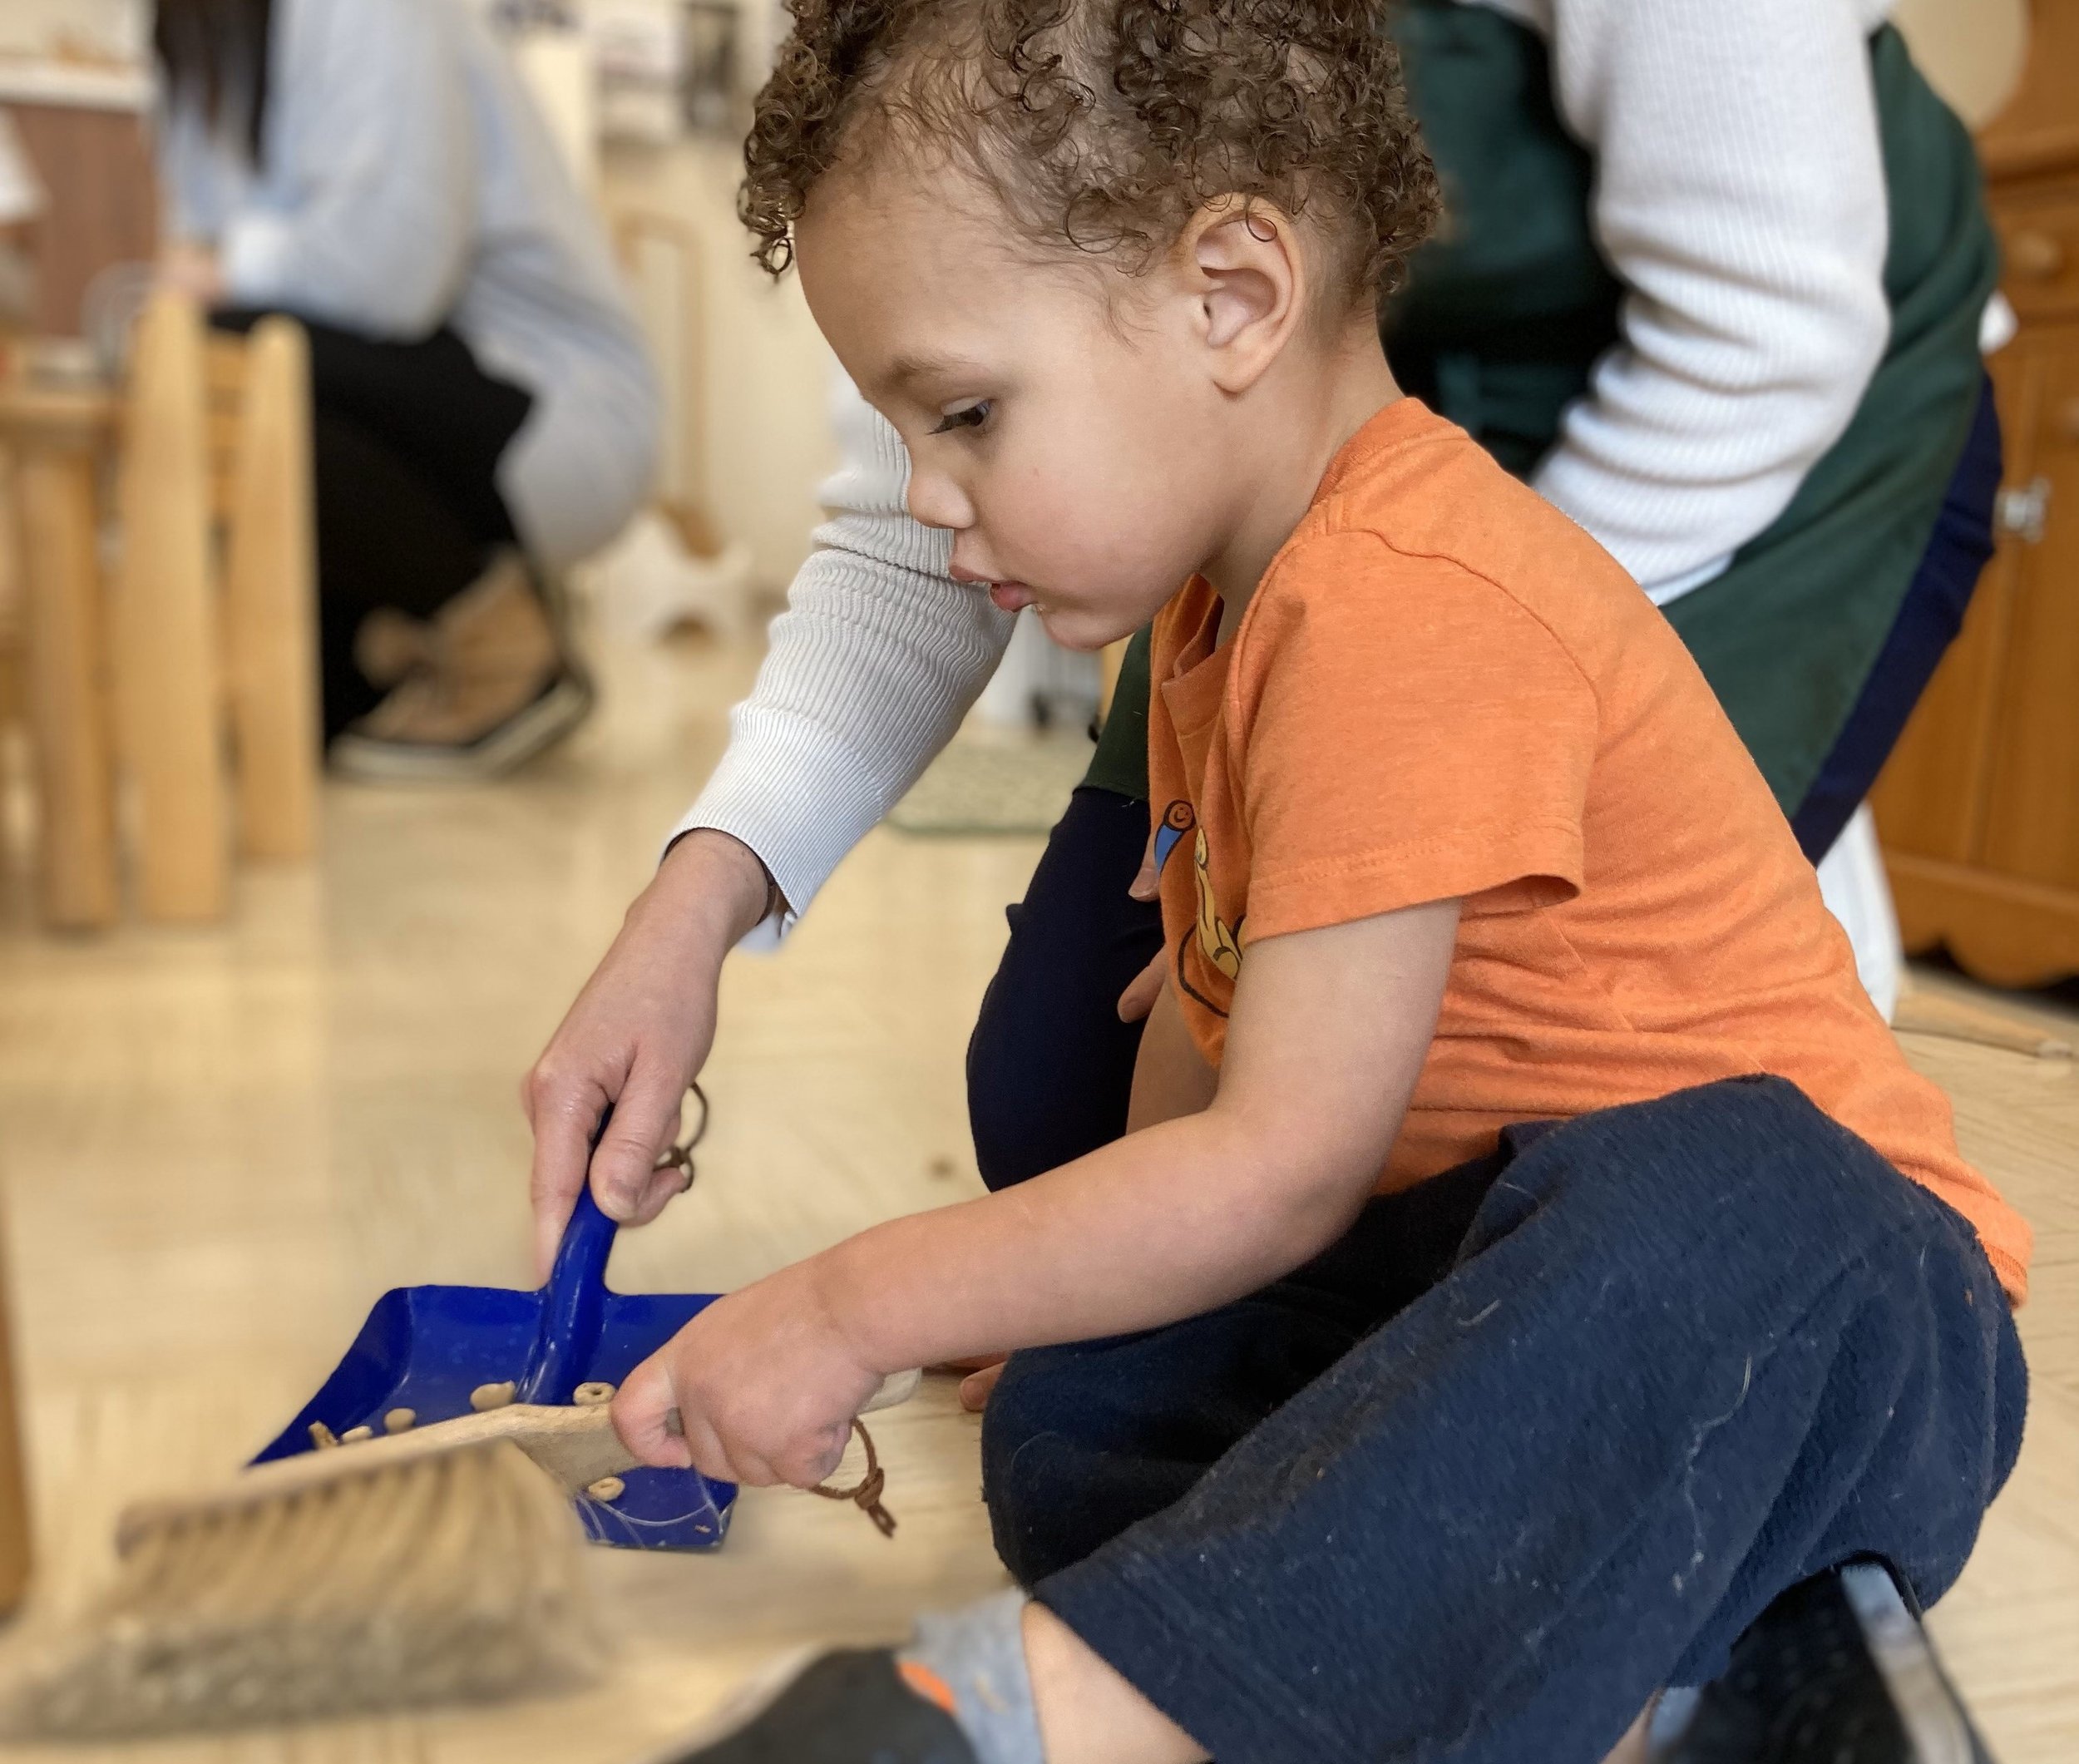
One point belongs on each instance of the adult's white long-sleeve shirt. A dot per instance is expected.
(406, 181)
(1740, 198)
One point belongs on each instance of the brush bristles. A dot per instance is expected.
(456, 1578)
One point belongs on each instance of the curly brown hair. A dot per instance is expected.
(1103, 125)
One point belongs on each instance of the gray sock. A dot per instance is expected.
(978, 1655)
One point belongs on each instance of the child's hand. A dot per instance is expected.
(978, 1373)
(1138, 999)
(764, 1385)
(977, 1388)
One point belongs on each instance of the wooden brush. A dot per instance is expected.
(439, 1566)
(444, 1564)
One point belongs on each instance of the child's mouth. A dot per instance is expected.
(1012, 596)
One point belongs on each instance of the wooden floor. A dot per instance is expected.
(217, 1149)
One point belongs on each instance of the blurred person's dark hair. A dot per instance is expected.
(214, 56)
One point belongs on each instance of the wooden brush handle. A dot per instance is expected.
(576, 1445)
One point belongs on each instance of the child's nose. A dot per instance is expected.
(936, 500)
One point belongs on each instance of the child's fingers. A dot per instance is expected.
(816, 1462)
(716, 1462)
(647, 1417)
(719, 1461)
(1146, 884)
(1138, 999)
(976, 1387)
(669, 1432)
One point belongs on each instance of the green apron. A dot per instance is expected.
(1508, 310)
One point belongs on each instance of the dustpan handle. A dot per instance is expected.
(574, 1302)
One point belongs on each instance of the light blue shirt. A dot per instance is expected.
(408, 182)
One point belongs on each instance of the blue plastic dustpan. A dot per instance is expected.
(425, 1348)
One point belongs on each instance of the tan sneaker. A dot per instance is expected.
(482, 688)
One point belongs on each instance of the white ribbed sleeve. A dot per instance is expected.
(1740, 197)
(869, 671)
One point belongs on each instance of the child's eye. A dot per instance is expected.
(970, 417)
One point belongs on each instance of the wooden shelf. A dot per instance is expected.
(1980, 807)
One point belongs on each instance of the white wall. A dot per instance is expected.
(1970, 50)
(765, 441)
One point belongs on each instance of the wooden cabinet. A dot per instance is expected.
(1980, 807)
(95, 165)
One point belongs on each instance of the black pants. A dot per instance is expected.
(405, 441)
(1536, 1438)
(1928, 620)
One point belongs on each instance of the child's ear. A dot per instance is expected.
(1249, 282)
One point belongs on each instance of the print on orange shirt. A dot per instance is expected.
(1220, 944)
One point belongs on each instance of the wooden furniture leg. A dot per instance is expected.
(14, 692)
(15, 1551)
(166, 649)
(61, 593)
(270, 601)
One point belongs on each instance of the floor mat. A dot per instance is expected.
(985, 784)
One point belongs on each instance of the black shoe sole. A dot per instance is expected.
(1837, 1670)
(850, 1707)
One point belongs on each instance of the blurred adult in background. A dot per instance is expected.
(485, 413)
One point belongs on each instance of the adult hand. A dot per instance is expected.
(764, 1385)
(636, 1037)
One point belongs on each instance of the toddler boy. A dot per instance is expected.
(1532, 1254)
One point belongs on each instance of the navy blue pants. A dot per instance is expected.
(1534, 1439)
(1927, 621)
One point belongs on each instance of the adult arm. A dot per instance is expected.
(877, 657)
(871, 668)
(1329, 1033)
(1740, 197)
(193, 175)
(365, 215)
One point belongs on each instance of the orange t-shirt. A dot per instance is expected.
(1443, 688)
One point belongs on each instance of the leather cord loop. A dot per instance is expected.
(679, 1157)
(866, 1496)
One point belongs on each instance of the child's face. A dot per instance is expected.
(1081, 459)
